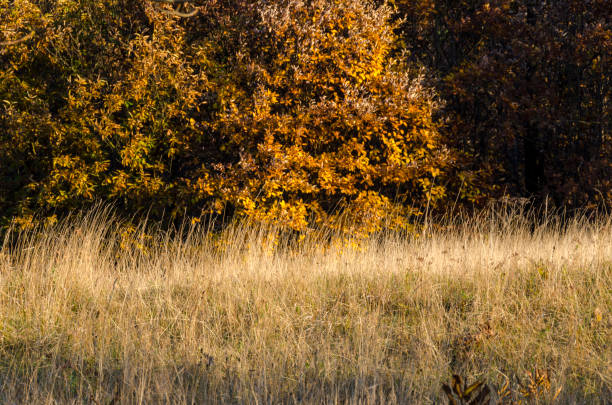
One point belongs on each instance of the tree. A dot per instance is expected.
(326, 119)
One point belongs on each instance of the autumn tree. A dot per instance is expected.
(329, 120)
(96, 107)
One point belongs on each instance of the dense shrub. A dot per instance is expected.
(97, 108)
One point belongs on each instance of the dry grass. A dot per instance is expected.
(234, 318)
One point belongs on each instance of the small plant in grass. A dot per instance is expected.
(534, 388)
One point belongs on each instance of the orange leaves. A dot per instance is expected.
(332, 125)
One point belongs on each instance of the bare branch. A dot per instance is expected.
(18, 41)
(181, 14)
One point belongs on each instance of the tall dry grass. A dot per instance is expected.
(247, 317)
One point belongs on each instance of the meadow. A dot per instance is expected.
(92, 311)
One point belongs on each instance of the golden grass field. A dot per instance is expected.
(244, 316)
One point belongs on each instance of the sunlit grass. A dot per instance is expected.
(246, 316)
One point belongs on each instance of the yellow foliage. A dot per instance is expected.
(336, 126)
(284, 112)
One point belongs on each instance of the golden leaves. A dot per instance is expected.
(286, 112)
(332, 123)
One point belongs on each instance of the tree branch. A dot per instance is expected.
(18, 41)
(175, 12)
(180, 14)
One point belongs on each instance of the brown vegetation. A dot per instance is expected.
(249, 316)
